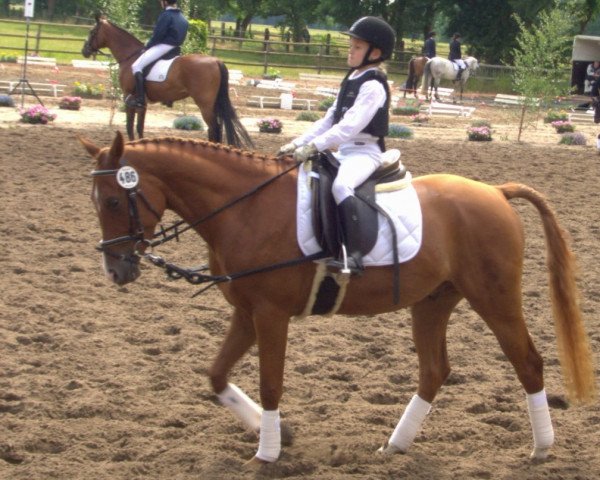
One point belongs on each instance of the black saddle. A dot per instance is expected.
(326, 223)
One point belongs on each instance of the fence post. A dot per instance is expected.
(214, 41)
(320, 58)
(37, 39)
(266, 62)
(327, 43)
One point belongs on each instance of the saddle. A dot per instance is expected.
(325, 220)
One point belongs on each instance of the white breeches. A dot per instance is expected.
(357, 163)
(149, 56)
(461, 63)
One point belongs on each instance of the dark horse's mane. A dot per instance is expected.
(205, 144)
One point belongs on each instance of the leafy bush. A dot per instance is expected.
(36, 114)
(572, 138)
(308, 117)
(399, 131)
(188, 122)
(70, 103)
(563, 127)
(6, 101)
(479, 134)
(88, 90)
(407, 110)
(8, 57)
(326, 103)
(197, 37)
(553, 116)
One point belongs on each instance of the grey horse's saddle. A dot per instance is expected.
(325, 220)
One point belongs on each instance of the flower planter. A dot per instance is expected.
(269, 130)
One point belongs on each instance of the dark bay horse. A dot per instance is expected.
(201, 77)
(473, 249)
(439, 68)
(416, 66)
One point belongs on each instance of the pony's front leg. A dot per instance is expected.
(240, 337)
(130, 119)
(271, 332)
(141, 121)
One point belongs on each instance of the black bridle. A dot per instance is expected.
(136, 236)
(87, 46)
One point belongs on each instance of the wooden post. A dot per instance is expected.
(320, 58)
(37, 39)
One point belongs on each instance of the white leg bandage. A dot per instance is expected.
(541, 424)
(410, 423)
(241, 405)
(269, 445)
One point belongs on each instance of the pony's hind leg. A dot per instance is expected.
(429, 322)
(501, 309)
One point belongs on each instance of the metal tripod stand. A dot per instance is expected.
(23, 82)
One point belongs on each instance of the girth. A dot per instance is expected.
(325, 218)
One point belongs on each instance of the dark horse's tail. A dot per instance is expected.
(426, 78)
(235, 132)
(573, 344)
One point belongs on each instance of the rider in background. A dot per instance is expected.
(356, 125)
(168, 35)
(455, 54)
(429, 45)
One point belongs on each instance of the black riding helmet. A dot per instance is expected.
(377, 33)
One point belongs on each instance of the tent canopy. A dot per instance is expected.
(586, 48)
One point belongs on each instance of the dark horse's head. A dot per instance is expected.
(127, 216)
(94, 42)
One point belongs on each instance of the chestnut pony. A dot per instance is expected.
(473, 248)
(416, 65)
(201, 77)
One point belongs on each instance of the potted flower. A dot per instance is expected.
(270, 125)
(562, 126)
(38, 114)
(70, 103)
(420, 118)
(479, 134)
(88, 90)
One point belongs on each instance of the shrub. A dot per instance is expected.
(326, 103)
(399, 131)
(70, 103)
(406, 110)
(554, 116)
(188, 122)
(572, 138)
(8, 57)
(89, 90)
(563, 127)
(6, 101)
(269, 125)
(308, 117)
(479, 134)
(36, 114)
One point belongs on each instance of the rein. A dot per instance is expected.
(193, 276)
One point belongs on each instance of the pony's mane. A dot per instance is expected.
(204, 144)
(121, 29)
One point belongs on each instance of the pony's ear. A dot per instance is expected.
(116, 149)
(92, 149)
(99, 16)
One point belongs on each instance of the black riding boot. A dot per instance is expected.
(138, 100)
(351, 236)
(459, 74)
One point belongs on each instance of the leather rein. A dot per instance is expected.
(136, 232)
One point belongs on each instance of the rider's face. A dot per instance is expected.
(357, 51)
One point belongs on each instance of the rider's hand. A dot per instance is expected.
(287, 149)
(304, 153)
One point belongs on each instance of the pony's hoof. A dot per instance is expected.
(389, 449)
(539, 453)
(254, 464)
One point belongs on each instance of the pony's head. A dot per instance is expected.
(472, 63)
(127, 215)
(95, 40)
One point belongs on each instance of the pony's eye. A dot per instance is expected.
(112, 203)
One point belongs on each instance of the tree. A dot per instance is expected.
(541, 59)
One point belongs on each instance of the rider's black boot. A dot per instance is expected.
(351, 237)
(138, 100)
(459, 74)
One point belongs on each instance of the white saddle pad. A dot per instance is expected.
(402, 205)
(159, 70)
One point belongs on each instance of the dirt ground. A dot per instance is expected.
(106, 382)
